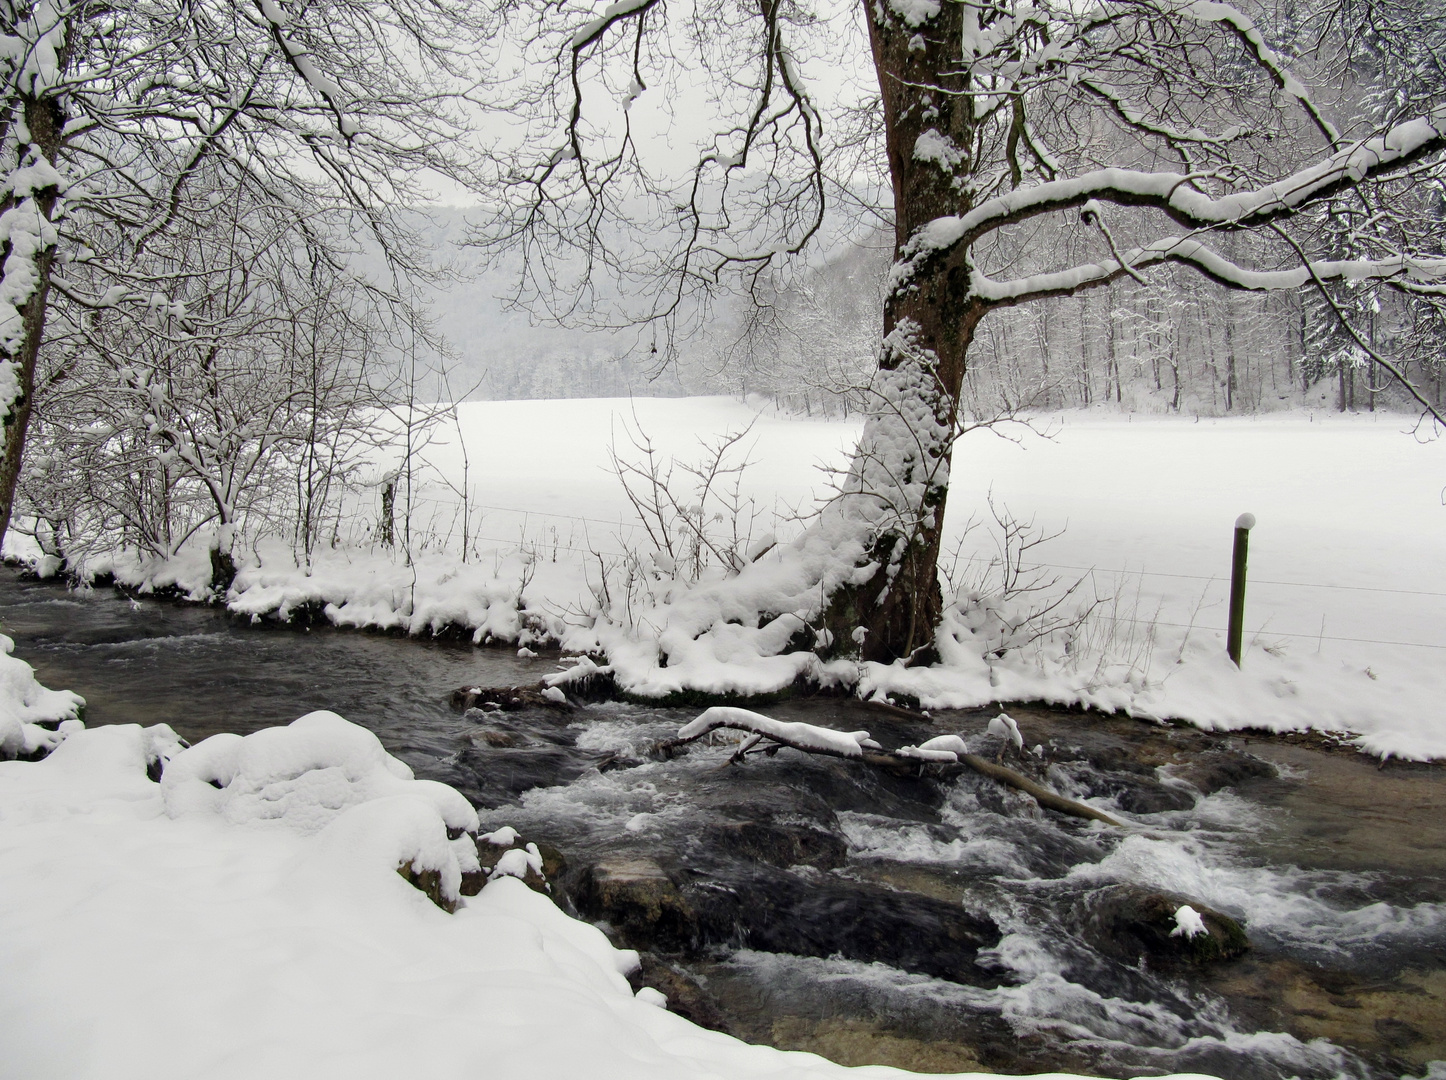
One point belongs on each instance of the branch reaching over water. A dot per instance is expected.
(768, 736)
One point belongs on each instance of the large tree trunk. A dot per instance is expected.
(45, 120)
(899, 479)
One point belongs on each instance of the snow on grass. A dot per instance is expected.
(142, 943)
(1343, 626)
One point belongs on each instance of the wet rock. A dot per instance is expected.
(638, 899)
(1137, 794)
(494, 737)
(686, 996)
(778, 844)
(1131, 923)
(429, 882)
(472, 882)
(733, 904)
(1215, 770)
(1397, 1034)
(823, 915)
(507, 698)
(851, 1041)
(497, 775)
(490, 854)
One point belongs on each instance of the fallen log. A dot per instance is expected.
(1042, 795)
(774, 736)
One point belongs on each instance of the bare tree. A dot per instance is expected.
(243, 396)
(1154, 130)
(121, 118)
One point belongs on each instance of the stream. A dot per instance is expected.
(928, 919)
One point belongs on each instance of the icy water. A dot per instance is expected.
(936, 922)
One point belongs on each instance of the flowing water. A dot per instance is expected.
(938, 922)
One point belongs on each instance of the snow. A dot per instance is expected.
(1005, 727)
(25, 706)
(619, 10)
(942, 748)
(503, 837)
(139, 945)
(940, 149)
(806, 736)
(915, 13)
(304, 774)
(1342, 615)
(517, 862)
(1188, 923)
(28, 233)
(1180, 196)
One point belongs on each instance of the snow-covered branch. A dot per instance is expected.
(1180, 196)
(1191, 252)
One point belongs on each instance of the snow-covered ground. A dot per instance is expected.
(244, 916)
(1344, 627)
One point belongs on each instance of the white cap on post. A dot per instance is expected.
(1245, 521)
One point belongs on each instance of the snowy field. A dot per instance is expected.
(244, 916)
(1346, 608)
(1344, 627)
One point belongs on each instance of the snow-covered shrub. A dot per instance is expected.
(696, 519)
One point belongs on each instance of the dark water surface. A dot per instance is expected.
(829, 907)
(203, 671)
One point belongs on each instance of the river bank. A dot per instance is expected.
(1332, 865)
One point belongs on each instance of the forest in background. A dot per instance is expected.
(1191, 348)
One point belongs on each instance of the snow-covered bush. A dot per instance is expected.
(697, 521)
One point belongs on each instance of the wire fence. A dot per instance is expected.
(535, 523)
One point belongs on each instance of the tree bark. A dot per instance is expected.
(929, 322)
(44, 118)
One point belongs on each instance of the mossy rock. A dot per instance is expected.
(1131, 923)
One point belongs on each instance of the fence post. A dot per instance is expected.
(1243, 524)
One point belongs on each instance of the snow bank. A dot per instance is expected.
(25, 705)
(372, 588)
(1347, 568)
(149, 933)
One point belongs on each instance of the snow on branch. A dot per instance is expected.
(943, 750)
(807, 737)
(1210, 11)
(1177, 194)
(616, 12)
(300, 60)
(1193, 253)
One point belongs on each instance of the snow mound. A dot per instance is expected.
(1188, 923)
(1005, 727)
(322, 774)
(25, 705)
(304, 774)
